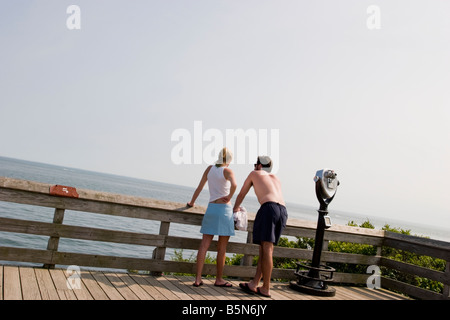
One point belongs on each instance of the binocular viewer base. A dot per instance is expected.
(325, 292)
(314, 281)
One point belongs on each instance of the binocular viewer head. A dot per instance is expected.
(326, 185)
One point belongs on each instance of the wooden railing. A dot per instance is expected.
(40, 194)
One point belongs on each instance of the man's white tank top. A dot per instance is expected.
(218, 186)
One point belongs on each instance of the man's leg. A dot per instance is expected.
(264, 268)
(253, 284)
(266, 265)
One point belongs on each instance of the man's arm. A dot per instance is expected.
(244, 190)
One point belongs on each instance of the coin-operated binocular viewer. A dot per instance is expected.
(315, 279)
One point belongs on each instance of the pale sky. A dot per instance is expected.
(371, 104)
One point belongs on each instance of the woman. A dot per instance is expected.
(218, 218)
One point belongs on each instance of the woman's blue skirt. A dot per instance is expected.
(218, 220)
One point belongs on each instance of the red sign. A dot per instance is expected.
(63, 191)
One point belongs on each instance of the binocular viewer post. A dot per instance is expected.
(314, 280)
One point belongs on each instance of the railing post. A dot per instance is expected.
(325, 245)
(446, 291)
(379, 248)
(247, 260)
(160, 252)
(53, 241)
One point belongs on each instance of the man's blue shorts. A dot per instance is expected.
(270, 221)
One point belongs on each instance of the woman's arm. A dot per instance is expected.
(229, 175)
(199, 188)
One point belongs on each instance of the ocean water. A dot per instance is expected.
(83, 179)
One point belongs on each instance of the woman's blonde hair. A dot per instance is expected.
(224, 157)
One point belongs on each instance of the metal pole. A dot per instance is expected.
(318, 243)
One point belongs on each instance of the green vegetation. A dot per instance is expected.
(415, 259)
(355, 248)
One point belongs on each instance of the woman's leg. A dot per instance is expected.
(201, 254)
(221, 251)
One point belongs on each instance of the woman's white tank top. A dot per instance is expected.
(218, 186)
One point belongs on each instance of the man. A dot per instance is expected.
(269, 222)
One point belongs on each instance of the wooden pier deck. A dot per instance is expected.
(28, 283)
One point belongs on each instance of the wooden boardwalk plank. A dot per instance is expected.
(233, 293)
(184, 287)
(220, 293)
(28, 283)
(46, 286)
(94, 289)
(121, 287)
(161, 288)
(364, 293)
(240, 294)
(283, 287)
(134, 287)
(11, 283)
(342, 293)
(153, 293)
(107, 286)
(30, 287)
(247, 296)
(172, 284)
(81, 293)
(60, 282)
(206, 291)
(185, 284)
(389, 295)
(286, 292)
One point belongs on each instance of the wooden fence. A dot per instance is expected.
(165, 213)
